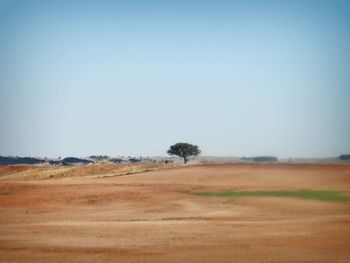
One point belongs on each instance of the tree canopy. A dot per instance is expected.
(184, 150)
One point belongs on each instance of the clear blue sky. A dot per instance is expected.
(133, 77)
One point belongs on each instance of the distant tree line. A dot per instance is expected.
(261, 159)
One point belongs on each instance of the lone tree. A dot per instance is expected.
(184, 150)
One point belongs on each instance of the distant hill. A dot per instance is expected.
(9, 160)
(344, 157)
(74, 160)
(19, 160)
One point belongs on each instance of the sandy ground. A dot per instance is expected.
(149, 217)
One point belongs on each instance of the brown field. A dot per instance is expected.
(136, 213)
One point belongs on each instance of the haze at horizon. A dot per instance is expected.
(237, 78)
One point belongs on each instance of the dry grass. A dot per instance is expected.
(91, 171)
(105, 170)
(28, 172)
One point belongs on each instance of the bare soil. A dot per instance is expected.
(150, 216)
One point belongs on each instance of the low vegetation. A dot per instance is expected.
(305, 194)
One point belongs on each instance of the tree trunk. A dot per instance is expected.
(185, 160)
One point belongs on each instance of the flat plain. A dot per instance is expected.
(193, 213)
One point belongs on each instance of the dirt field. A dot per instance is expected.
(151, 215)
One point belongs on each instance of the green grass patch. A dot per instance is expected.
(305, 194)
